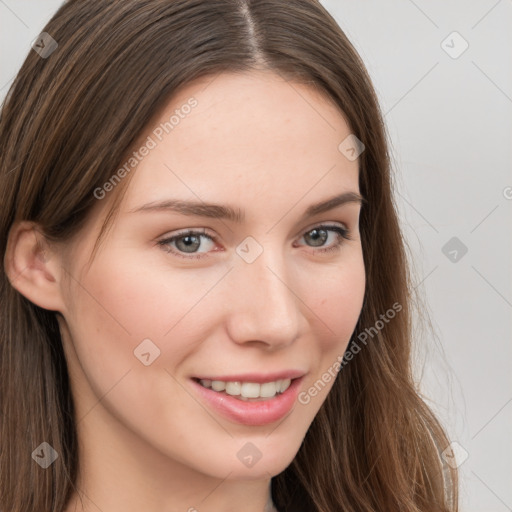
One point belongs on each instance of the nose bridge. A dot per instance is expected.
(264, 307)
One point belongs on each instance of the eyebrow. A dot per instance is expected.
(218, 211)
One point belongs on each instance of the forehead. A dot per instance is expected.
(241, 136)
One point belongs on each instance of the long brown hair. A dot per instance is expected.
(65, 126)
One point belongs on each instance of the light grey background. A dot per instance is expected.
(450, 125)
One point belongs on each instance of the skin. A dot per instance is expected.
(255, 142)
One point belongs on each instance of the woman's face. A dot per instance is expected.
(266, 297)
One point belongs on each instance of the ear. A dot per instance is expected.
(32, 268)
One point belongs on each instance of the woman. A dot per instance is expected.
(205, 295)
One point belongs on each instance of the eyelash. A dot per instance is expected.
(343, 233)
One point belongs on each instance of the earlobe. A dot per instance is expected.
(32, 268)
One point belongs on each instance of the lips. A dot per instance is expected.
(250, 413)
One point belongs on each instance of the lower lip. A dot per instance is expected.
(260, 412)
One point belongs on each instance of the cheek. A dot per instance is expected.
(115, 307)
(337, 305)
(337, 302)
(109, 313)
(130, 299)
(123, 301)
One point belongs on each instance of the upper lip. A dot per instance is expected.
(258, 378)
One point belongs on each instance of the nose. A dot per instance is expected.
(265, 309)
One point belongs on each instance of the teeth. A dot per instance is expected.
(217, 385)
(268, 389)
(248, 389)
(233, 388)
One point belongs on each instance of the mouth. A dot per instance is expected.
(247, 391)
(243, 401)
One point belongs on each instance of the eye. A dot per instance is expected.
(186, 243)
(320, 234)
